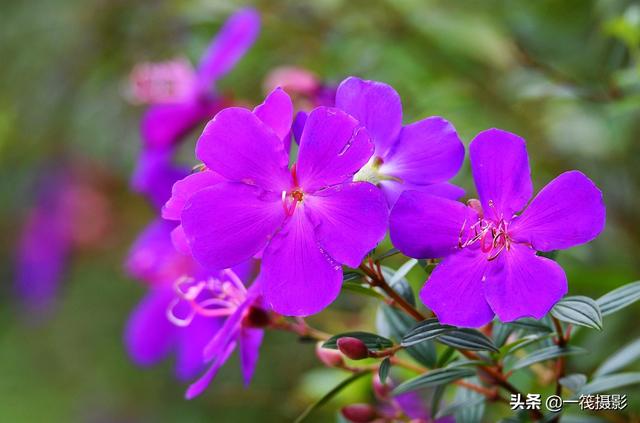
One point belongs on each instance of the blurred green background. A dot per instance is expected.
(565, 75)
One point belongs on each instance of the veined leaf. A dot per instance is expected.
(402, 271)
(547, 354)
(362, 289)
(619, 298)
(386, 254)
(329, 395)
(579, 310)
(383, 370)
(609, 382)
(434, 378)
(573, 382)
(531, 324)
(467, 339)
(428, 329)
(351, 276)
(521, 343)
(622, 358)
(371, 340)
(501, 332)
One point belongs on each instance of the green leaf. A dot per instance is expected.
(391, 252)
(362, 290)
(435, 377)
(500, 333)
(547, 354)
(622, 358)
(522, 343)
(329, 395)
(579, 310)
(402, 271)
(531, 324)
(619, 298)
(573, 382)
(371, 340)
(351, 276)
(475, 404)
(425, 330)
(383, 370)
(609, 382)
(467, 339)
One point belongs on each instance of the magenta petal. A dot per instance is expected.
(298, 125)
(376, 105)
(155, 174)
(163, 125)
(393, 189)
(500, 168)
(240, 147)
(521, 284)
(299, 278)
(185, 188)
(191, 341)
(180, 241)
(229, 331)
(425, 226)
(277, 112)
(149, 336)
(350, 220)
(250, 341)
(201, 384)
(232, 42)
(568, 211)
(455, 290)
(333, 147)
(426, 152)
(230, 222)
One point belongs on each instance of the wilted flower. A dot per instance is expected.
(490, 264)
(421, 156)
(305, 221)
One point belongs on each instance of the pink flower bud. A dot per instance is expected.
(353, 348)
(329, 357)
(358, 413)
(382, 391)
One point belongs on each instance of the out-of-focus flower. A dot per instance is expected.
(421, 156)
(304, 222)
(490, 264)
(304, 87)
(388, 408)
(183, 98)
(70, 212)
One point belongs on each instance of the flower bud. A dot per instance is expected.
(353, 348)
(257, 317)
(382, 391)
(358, 413)
(329, 357)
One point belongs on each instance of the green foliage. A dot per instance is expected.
(545, 354)
(371, 340)
(433, 378)
(579, 310)
(619, 298)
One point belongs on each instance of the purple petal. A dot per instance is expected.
(299, 278)
(230, 222)
(568, 211)
(350, 220)
(427, 152)
(240, 147)
(276, 112)
(201, 384)
(333, 147)
(149, 335)
(180, 241)
(155, 173)
(229, 331)
(455, 290)
(232, 42)
(521, 284)
(163, 125)
(250, 341)
(153, 258)
(376, 105)
(500, 168)
(393, 189)
(185, 188)
(298, 125)
(425, 226)
(413, 405)
(191, 342)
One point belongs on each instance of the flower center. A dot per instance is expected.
(213, 297)
(371, 172)
(291, 198)
(493, 237)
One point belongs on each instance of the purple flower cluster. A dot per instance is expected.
(358, 172)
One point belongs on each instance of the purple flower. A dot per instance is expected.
(305, 222)
(489, 256)
(421, 156)
(166, 123)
